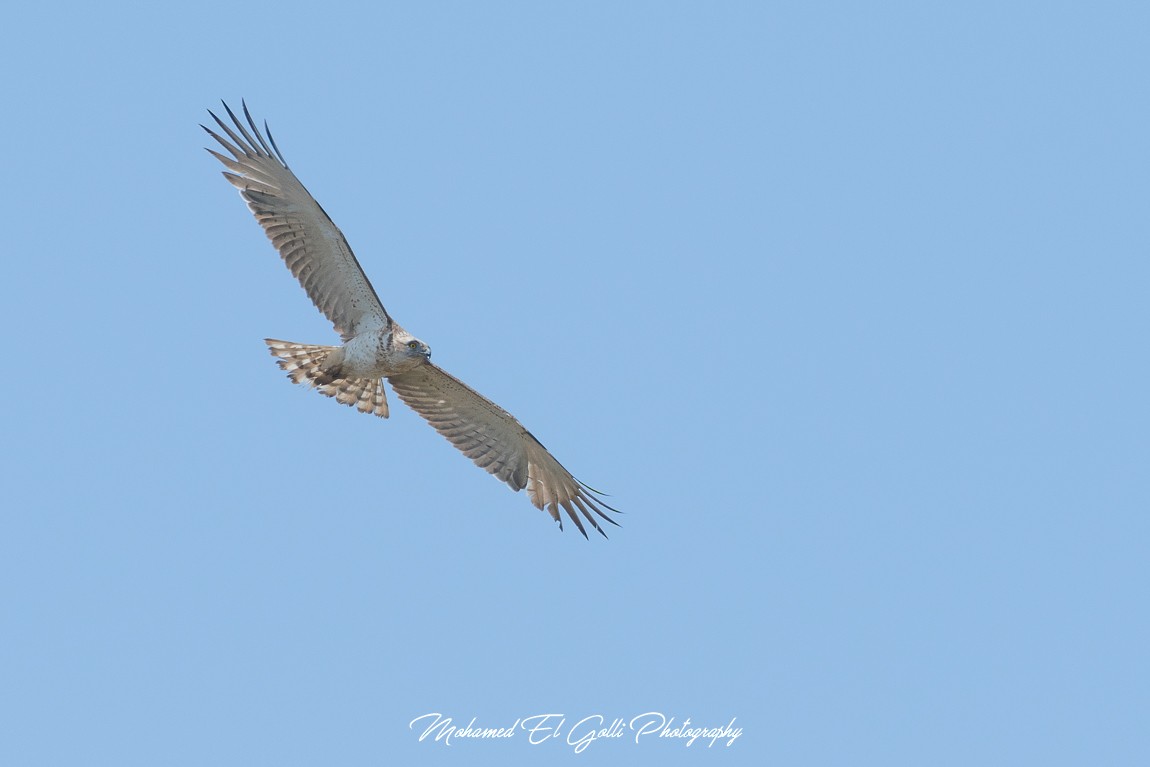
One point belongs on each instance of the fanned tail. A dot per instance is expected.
(310, 364)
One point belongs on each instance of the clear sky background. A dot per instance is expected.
(845, 304)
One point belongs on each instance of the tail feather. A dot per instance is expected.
(305, 364)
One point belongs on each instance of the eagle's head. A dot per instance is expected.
(409, 347)
(417, 348)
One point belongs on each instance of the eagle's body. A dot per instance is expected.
(375, 347)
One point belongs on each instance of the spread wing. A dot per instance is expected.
(497, 442)
(311, 245)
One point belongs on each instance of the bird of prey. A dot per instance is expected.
(375, 346)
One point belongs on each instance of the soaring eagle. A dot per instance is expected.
(375, 346)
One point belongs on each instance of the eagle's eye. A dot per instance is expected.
(413, 344)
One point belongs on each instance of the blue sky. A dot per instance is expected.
(844, 304)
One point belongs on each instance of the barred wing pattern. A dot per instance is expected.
(498, 443)
(311, 245)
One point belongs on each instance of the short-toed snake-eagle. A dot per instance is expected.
(375, 346)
